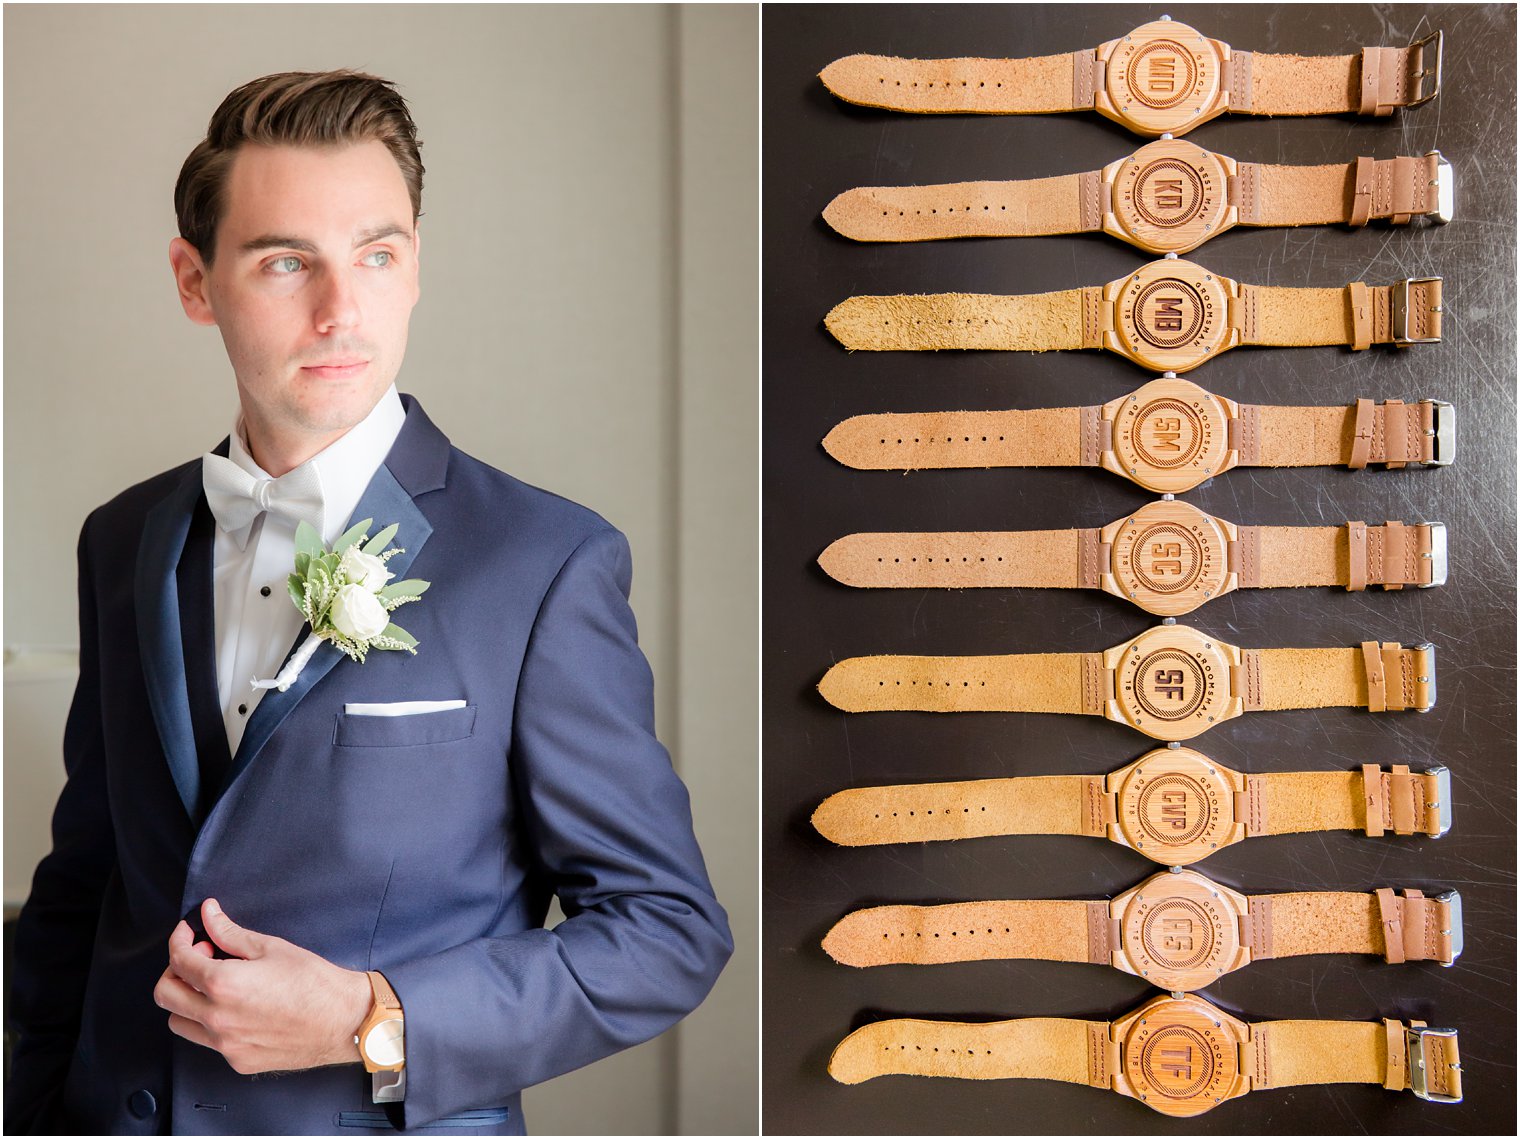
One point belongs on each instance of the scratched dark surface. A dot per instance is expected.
(815, 147)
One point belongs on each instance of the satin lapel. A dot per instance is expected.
(158, 631)
(385, 501)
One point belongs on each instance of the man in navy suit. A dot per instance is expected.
(243, 878)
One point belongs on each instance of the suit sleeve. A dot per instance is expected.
(55, 934)
(610, 822)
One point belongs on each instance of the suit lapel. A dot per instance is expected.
(197, 615)
(159, 636)
(416, 463)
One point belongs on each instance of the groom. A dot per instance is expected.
(321, 908)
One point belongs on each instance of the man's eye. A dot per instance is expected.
(386, 253)
(293, 263)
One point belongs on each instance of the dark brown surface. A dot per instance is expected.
(815, 147)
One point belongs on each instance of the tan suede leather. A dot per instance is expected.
(1033, 682)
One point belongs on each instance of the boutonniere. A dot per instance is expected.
(343, 595)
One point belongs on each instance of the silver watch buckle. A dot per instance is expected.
(1445, 185)
(1398, 297)
(1419, 1082)
(1453, 902)
(1442, 433)
(1425, 73)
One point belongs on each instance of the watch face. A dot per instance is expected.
(1163, 78)
(1182, 1056)
(1169, 197)
(1176, 806)
(1169, 436)
(1168, 558)
(384, 1043)
(1181, 931)
(1173, 683)
(1170, 315)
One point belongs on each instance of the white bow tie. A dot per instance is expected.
(237, 497)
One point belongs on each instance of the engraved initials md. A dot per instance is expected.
(1161, 74)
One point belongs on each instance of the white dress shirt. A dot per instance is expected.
(256, 622)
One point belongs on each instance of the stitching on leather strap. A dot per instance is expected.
(1361, 191)
(1356, 544)
(1418, 944)
(1261, 928)
(1391, 915)
(1395, 434)
(1361, 435)
(1377, 685)
(1090, 200)
(1404, 800)
(1373, 798)
(1097, 1054)
(1240, 80)
(1083, 81)
(1099, 944)
(1087, 559)
(1358, 303)
(1400, 691)
(1397, 570)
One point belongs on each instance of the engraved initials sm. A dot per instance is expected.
(1168, 432)
(1168, 316)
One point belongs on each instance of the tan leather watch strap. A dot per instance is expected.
(1052, 930)
(1354, 193)
(1370, 800)
(1036, 1049)
(1151, 1054)
(1354, 556)
(1032, 85)
(385, 996)
(1376, 81)
(1357, 315)
(1055, 559)
(1394, 433)
(926, 812)
(1034, 207)
(1034, 322)
(1378, 677)
(1030, 682)
(1397, 927)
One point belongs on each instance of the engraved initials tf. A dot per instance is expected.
(1168, 316)
(1178, 1062)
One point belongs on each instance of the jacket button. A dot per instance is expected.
(264, 592)
(141, 1103)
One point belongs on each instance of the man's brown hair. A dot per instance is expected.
(292, 108)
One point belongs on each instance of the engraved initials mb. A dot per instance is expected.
(1168, 316)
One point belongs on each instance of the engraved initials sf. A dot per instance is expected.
(1169, 683)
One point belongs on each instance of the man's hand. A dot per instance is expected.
(272, 1006)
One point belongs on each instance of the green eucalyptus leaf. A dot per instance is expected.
(297, 586)
(350, 536)
(380, 540)
(303, 563)
(308, 541)
(397, 633)
(412, 588)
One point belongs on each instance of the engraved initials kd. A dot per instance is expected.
(1169, 193)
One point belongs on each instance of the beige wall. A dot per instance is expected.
(587, 323)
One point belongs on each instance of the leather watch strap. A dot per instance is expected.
(1162, 77)
(1371, 800)
(1347, 193)
(1380, 677)
(1402, 927)
(1179, 1055)
(1197, 424)
(1028, 682)
(384, 995)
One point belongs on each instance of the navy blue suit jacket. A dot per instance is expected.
(427, 847)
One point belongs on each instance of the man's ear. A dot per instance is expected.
(190, 278)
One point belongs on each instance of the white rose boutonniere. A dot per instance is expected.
(344, 595)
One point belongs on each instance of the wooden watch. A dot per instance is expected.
(1170, 682)
(1174, 805)
(1178, 930)
(382, 1035)
(1168, 558)
(1163, 77)
(1168, 197)
(1169, 436)
(1171, 315)
(1180, 1055)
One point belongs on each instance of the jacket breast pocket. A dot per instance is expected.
(405, 731)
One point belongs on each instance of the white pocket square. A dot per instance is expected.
(404, 708)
